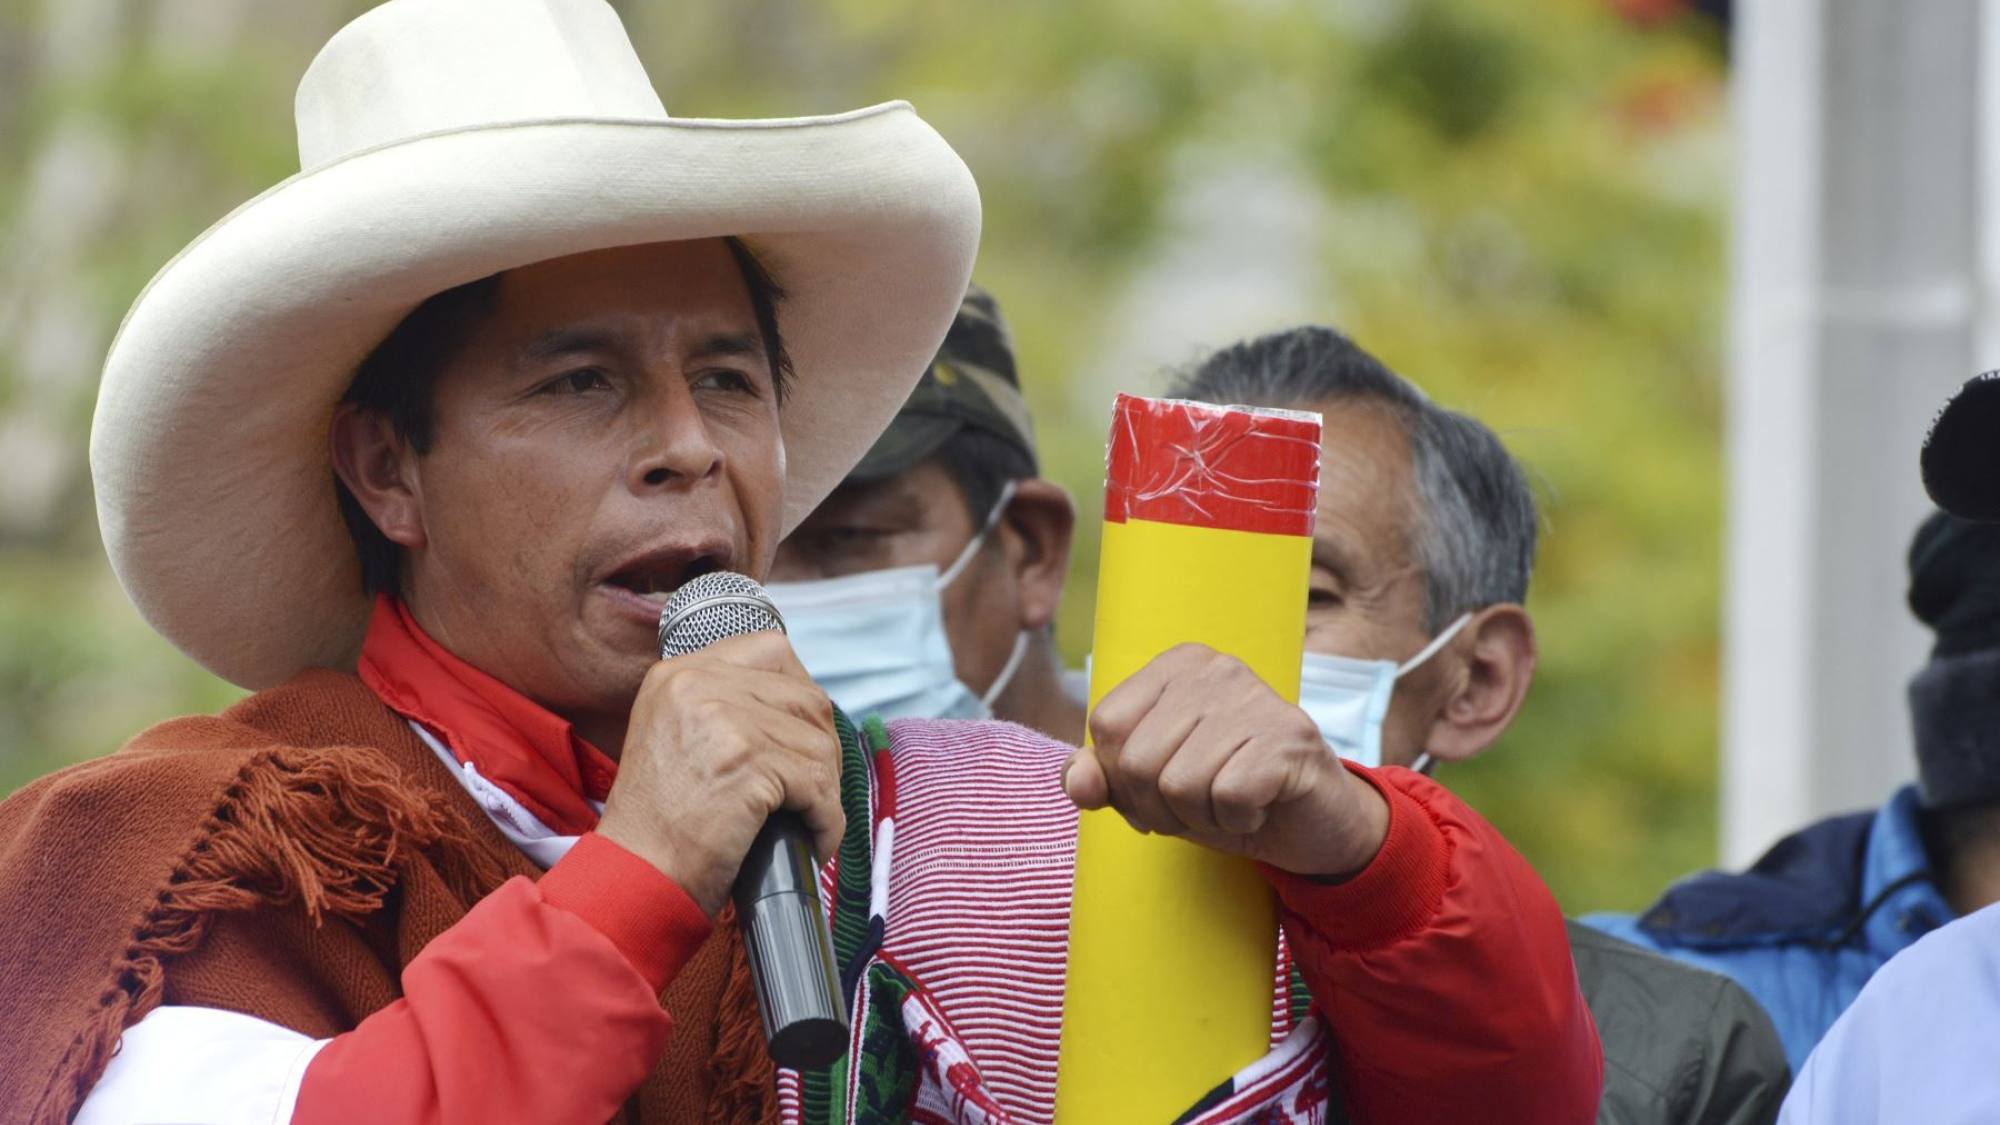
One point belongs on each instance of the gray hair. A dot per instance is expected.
(1476, 526)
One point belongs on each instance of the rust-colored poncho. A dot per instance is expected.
(284, 859)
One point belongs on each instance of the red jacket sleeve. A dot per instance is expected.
(541, 1004)
(1444, 972)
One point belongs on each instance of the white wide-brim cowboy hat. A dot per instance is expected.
(443, 141)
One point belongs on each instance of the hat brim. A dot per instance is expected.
(208, 450)
(1961, 455)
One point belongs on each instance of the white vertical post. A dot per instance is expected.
(1856, 258)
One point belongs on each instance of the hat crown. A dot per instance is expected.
(413, 67)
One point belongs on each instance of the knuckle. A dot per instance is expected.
(1303, 752)
(1224, 668)
(1181, 786)
(729, 755)
(825, 779)
(1234, 792)
(1102, 729)
(711, 710)
(760, 795)
(666, 683)
(1132, 772)
(1236, 820)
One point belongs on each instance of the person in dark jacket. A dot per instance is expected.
(1869, 1068)
(1418, 650)
(1807, 925)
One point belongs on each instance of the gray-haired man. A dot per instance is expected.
(1418, 650)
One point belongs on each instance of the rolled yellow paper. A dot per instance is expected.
(1207, 538)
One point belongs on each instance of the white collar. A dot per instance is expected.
(522, 828)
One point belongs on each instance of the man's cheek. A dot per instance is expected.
(759, 489)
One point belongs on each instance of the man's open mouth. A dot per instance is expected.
(655, 577)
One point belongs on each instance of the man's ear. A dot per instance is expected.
(1498, 651)
(1037, 527)
(379, 468)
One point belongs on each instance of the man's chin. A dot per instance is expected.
(607, 683)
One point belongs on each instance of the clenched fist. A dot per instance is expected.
(1196, 745)
(719, 740)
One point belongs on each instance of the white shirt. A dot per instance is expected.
(1918, 1044)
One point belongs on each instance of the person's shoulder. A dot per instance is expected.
(1946, 958)
(1805, 887)
(320, 707)
(1007, 745)
(1673, 1033)
(942, 765)
(182, 763)
(1621, 928)
(1615, 970)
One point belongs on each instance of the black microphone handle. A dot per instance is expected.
(791, 951)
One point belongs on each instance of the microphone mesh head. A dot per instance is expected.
(712, 606)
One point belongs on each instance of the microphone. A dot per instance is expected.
(777, 889)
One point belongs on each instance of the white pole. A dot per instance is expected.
(1856, 254)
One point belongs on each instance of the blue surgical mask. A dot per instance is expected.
(875, 641)
(1348, 698)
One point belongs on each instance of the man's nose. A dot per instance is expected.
(676, 445)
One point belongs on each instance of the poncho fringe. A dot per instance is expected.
(328, 830)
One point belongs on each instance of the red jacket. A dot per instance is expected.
(1443, 968)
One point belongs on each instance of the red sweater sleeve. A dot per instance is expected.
(1444, 972)
(541, 1004)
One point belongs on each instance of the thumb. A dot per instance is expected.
(1083, 780)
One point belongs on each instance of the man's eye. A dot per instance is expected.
(734, 382)
(577, 382)
(1321, 599)
(848, 538)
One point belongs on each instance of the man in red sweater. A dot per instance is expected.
(517, 333)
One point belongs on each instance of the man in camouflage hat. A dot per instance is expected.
(927, 584)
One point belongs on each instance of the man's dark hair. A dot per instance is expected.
(981, 465)
(1476, 524)
(397, 379)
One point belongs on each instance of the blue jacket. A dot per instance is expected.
(1806, 926)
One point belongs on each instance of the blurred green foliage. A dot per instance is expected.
(1523, 212)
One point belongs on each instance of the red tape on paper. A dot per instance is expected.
(1235, 468)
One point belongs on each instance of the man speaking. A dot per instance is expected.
(507, 355)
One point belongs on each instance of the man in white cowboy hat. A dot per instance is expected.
(507, 356)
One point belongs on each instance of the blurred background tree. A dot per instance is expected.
(1519, 206)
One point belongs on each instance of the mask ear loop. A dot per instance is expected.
(1007, 670)
(1424, 761)
(985, 529)
(1431, 649)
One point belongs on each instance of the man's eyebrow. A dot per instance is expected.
(725, 344)
(569, 341)
(1328, 554)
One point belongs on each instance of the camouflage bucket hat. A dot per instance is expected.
(971, 384)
